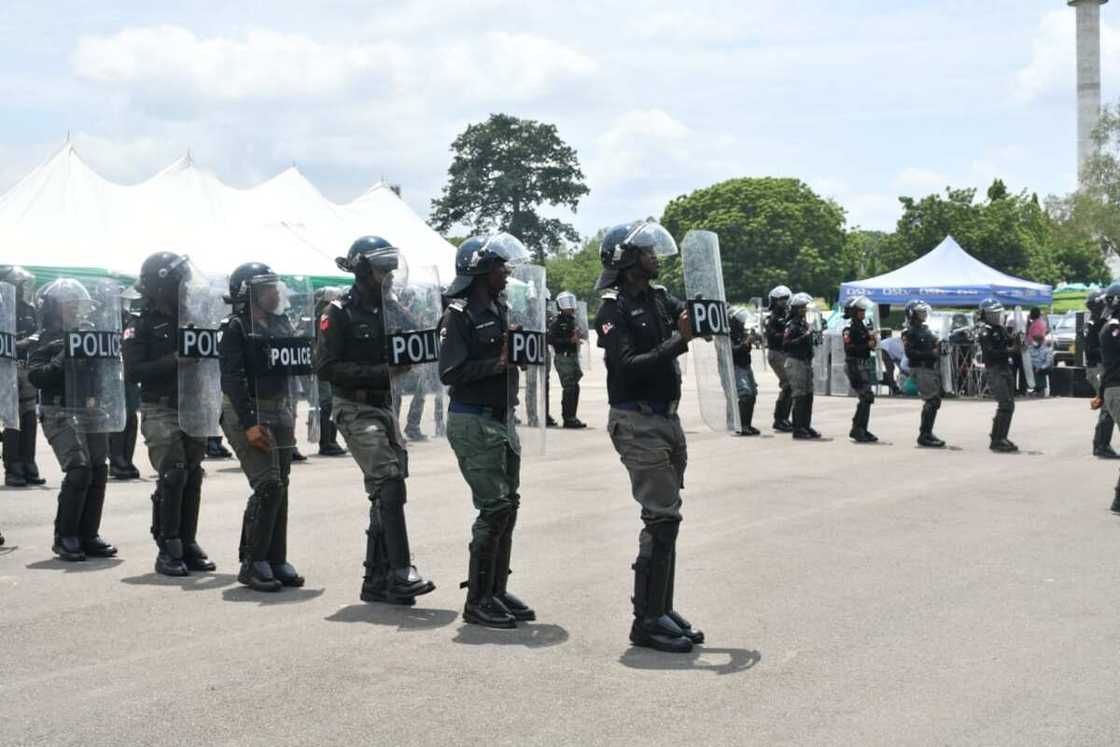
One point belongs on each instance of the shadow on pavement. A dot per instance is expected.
(8, 550)
(266, 598)
(82, 566)
(701, 658)
(529, 635)
(404, 618)
(194, 582)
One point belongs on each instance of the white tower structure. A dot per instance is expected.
(1088, 76)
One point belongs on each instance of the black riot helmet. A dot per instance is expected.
(23, 280)
(854, 304)
(477, 256)
(161, 274)
(779, 297)
(1094, 302)
(370, 253)
(623, 245)
(1111, 297)
(62, 304)
(250, 273)
(990, 311)
(917, 311)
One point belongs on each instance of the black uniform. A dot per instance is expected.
(1102, 434)
(151, 362)
(19, 445)
(560, 332)
(997, 348)
(1110, 379)
(858, 342)
(799, 345)
(82, 456)
(639, 336)
(255, 394)
(775, 331)
(122, 445)
(923, 353)
(482, 435)
(746, 389)
(353, 359)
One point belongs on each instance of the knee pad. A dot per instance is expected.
(934, 404)
(868, 397)
(665, 531)
(174, 479)
(99, 476)
(78, 478)
(270, 492)
(393, 493)
(1007, 407)
(747, 399)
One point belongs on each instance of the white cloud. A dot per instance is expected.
(921, 181)
(1052, 68)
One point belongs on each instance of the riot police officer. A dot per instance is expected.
(859, 346)
(798, 344)
(328, 431)
(746, 388)
(353, 358)
(151, 361)
(997, 347)
(776, 357)
(1110, 365)
(1102, 434)
(474, 363)
(564, 336)
(923, 350)
(122, 446)
(80, 445)
(643, 330)
(258, 419)
(20, 468)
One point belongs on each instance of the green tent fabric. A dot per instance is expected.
(44, 275)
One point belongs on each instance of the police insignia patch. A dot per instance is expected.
(607, 327)
(324, 323)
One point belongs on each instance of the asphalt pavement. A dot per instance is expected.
(850, 594)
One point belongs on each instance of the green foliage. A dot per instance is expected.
(503, 170)
(1010, 232)
(863, 253)
(771, 231)
(577, 271)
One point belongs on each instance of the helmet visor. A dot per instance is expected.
(566, 301)
(506, 247)
(652, 237)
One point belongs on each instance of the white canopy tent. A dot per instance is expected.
(64, 214)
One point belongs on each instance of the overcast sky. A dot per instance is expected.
(864, 100)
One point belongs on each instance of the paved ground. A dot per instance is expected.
(884, 595)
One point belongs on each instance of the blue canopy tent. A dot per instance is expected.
(948, 276)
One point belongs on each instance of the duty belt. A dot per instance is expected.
(465, 409)
(665, 409)
(365, 396)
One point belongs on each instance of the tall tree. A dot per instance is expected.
(503, 171)
(771, 231)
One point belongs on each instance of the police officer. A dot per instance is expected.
(20, 468)
(354, 359)
(474, 363)
(1102, 434)
(564, 337)
(122, 445)
(328, 431)
(1110, 364)
(643, 330)
(151, 362)
(258, 421)
(859, 346)
(799, 344)
(923, 350)
(997, 348)
(746, 389)
(776, 357)
(82, 456)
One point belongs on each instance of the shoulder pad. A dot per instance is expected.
(458, 304)
(658, 287)
(337, 303)
(609, 294)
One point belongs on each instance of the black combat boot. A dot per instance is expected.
(402, 580)
(1115, 507)
(169, 561)
(282, 570)
(801, 419)
(782, 409)
(925, 435)
(569, 403)
(520, 611)
(215, 449)
(257, 527)
(692, 634)
(194, 556)
(652, 627)
(375, 584)
(746, 415)
(93, 545)
(1102, 439)
(1001, 424)
(14, 473)
(481, 608)
(68, 519)
(28, 430)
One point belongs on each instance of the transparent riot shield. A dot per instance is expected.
(92, 362)
(822, 353)
(713, 364)
(526, 295)
(281, 349)
(875, 364)
(412, 306)
(9, 383)
(833, 350)
(584, 328)
(202, 307)
(753, 322)
(942, 327)
(1022, 323)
